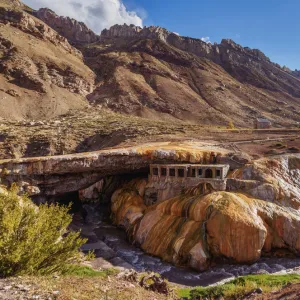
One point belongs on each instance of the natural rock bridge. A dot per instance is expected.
(56, 175)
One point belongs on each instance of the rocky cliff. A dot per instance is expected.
(227, 53)
(56, 175)
(219, 53)
(197, 230)
(71, 29)
(275, 180)
(154, 73)
(147, 72)
(41, 74)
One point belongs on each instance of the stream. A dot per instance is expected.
(112, 249)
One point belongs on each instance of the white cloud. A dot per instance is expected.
(206, 39)
(97, 14)
(176, 33)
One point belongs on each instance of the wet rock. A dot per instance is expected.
(99, 245)
(220, 224)
(261, 271)
(277, 268)
(106, 252)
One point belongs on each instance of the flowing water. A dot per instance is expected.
(112, 249)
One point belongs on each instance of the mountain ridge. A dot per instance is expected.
(153, 73)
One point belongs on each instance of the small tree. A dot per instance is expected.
(231, 125)
(35, 240)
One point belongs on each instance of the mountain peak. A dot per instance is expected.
(74, 31)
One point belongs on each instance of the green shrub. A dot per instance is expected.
(35, 240)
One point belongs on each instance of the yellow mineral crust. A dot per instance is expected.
(194, 230)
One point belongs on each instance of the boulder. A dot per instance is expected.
(197, 230)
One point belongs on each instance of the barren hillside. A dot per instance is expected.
(149, 72)
(153, 73)
(41, 74)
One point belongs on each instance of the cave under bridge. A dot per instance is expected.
(53, 176)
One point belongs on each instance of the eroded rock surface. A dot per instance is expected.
(197, 230)
(72, 30)
(41, 74)
(68, 173)
(258, 215)
(275, 180)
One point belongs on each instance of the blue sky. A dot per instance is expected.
(269, 25)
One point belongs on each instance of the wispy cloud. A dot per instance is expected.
(206, 39)
(97, 14)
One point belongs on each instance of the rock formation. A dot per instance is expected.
(147, 72)
(226, 53)
(56, 175)
(34, 27)
(275, 180)
(198, 230)
(154, 73)
(195, 229)
(40, 67)
(72, 30)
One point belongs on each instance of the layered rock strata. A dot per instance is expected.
(275, 180)
(71, 29)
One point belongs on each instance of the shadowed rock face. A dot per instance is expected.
(74, 31)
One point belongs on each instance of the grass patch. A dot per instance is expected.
(240, 287)
(85, 271)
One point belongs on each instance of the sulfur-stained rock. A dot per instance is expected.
(196, 230)
(234, 230)
(69, 173)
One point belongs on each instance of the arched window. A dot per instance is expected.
(208, 173)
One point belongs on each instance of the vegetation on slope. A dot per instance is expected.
(35, 240)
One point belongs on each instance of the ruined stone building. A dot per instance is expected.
(262, 123)
(168, 180)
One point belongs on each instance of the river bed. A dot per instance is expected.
(112, 249)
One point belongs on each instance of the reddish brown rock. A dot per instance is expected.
(196, 230)
(72, 30)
